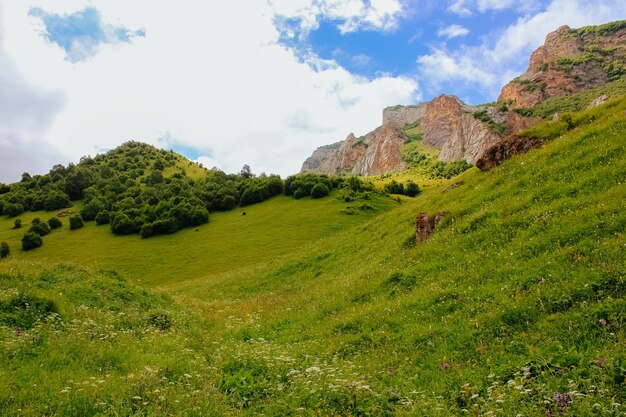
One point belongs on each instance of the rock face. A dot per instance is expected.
(571, 60)
(425, 225)
(503, 150)
(448, 125)
(320, 157)
(400, 116)
(375, 153)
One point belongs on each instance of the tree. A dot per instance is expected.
(4, 250)
(104, 217)
(17, 223)
(246, 172)
(319, 190)
(31, 241)
(123, 225)
(412, 189)
(54, 223)
(91, 209)
(42, 229)
(13, 209)
(56, 200)
(76, 222)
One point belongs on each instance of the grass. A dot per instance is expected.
(575, 102)
(515, 305)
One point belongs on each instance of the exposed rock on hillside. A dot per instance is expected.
(571, 60)
(320, 157)
(503, 150)
(375, 153)
(400, 116)
(448, 125)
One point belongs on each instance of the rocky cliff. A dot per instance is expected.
(449, 124)
(375, 153)
(400, 116)
(571, 60)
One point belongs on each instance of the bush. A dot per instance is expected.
(123, 225)
(76, 222)
(42, 229)
(4, 250)
(31, 241)
(104, 217)
(13, 209)
(17, 223)
(54, 223)
(412, 189)
(91, 209)
(56, 200)
(159, 227)
(319, 190)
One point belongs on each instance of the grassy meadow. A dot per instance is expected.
(515, 306)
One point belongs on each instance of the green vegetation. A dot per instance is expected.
(515, 305)
(413, 132)
(5, 250)
(31, 240)
(530, 85)
(574, 102)
(423, 165)
(485, 117)
(76, 222)
(55, 223)
(411, 189)
(601, 30)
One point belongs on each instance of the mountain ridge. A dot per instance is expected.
(569, 61)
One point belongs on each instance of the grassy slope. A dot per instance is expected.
(229, 241)
(521, 291)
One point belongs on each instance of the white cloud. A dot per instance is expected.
(453, 31)
(211, 75)
(26, 112)
(488, 66)
(468, 7)
(353, 15)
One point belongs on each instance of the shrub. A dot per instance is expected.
(56, 200)
(13, 209)
(159, 227)
(42, 229)
(319, 190)
(123, 225)
(104, 217)
(91, 209)
(76, 222)
(31, 240)
(54, 223)
(412, 189)
(17, 223)
(4, 250)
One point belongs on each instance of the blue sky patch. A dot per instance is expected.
(80, 33)
(373, 53)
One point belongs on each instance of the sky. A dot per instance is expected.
(257, 82)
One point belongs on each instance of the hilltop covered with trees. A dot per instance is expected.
(137, 188)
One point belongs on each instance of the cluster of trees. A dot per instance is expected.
(32, 239)
(137, 188)
(411, 189)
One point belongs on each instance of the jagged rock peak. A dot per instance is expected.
(570, 60)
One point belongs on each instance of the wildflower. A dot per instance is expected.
(457, 366)
(602, 322)
(445, 366)
(390, 370)
(18, 332)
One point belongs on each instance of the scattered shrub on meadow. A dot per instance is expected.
(55, 223)
(31, 240)
(4, 250)
(17, 223)
(42, 229)
(76, 222)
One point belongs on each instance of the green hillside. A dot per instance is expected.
(514, 306)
